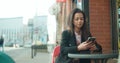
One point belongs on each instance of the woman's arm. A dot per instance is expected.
(99, 47)
(96, 48)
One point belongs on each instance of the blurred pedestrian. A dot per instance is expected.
(2, 43)
(75, 39)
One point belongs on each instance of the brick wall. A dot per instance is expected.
(100, 22)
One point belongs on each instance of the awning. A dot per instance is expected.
(61, 0)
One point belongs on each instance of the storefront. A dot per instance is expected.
(102, 18)
(104, 21)
(118, 19)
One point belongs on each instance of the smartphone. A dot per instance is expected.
(91, 39)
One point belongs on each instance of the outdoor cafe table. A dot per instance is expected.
(35, 47)
(95, 57)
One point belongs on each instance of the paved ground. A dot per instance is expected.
(23, 55)
(119, 59)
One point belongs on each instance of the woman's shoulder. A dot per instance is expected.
(66, 32)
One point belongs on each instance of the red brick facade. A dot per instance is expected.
(99, 11)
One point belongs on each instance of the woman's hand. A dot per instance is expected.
(85, 45)
(92, 48)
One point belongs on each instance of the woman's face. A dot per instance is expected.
(78, 20)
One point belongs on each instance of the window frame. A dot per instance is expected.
(85, 6)
(114, 28)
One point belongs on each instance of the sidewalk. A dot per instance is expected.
(11, 48)
(23, 55)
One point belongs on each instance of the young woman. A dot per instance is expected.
(75, 39)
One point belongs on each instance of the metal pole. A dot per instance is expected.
(32, 30)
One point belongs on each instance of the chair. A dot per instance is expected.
(56, 52)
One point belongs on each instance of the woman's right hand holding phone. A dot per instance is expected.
(85, 45)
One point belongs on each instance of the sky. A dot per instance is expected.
(24, 8)
(27, 8)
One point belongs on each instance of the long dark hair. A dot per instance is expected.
(84, 29)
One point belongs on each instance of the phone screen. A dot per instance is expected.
(91, 38)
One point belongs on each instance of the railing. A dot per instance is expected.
(35, 48)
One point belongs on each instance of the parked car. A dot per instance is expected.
(9, 44)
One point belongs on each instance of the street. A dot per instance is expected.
(23, 55)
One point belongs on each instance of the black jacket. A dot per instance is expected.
(69, 45)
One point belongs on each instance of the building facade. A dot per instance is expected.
(15, 32)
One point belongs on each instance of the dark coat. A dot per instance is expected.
(69, 45)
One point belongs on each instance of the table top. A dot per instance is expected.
(93, 56)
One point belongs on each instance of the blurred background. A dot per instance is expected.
(24, 23)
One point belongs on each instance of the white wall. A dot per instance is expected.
(51, 24)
